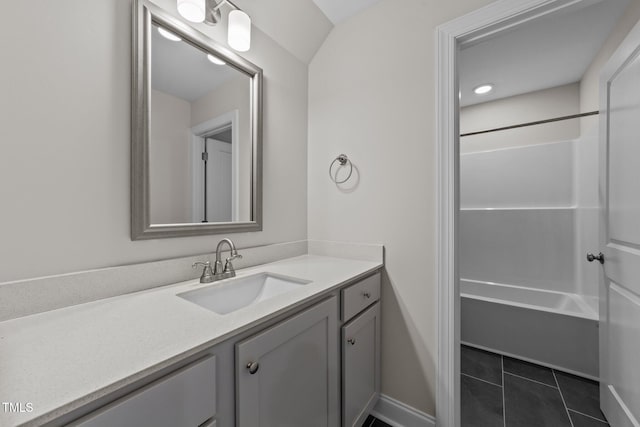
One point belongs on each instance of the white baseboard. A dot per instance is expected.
(398, 414)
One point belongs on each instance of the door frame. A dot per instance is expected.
(470, 28)
(198, 133)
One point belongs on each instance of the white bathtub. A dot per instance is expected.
(555, 329)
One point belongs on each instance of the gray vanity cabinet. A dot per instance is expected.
(288, 375)
(317, 367)
(360, 351)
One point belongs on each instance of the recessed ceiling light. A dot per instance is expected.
(215, 60)
(483, 89)
(168, 35)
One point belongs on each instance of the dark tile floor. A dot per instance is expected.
(372, 421)
(505, 392)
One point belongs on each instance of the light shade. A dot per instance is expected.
(192, 10)
(239, 35)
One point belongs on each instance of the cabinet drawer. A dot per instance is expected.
(185, 398)
(357, 297)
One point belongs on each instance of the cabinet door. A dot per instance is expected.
(287, 376)
(360, 366)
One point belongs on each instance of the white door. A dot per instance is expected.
(620, 235)
(219, 181)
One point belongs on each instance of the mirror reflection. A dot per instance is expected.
(200, 148)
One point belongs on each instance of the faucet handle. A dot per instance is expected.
(207, 273)
(234, 256)
(228, 267)
(204, 264)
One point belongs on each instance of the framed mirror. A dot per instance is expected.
(196, 146)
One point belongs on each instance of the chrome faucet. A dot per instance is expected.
(219, 272)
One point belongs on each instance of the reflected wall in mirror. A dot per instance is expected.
(197, 129)
(199, 139)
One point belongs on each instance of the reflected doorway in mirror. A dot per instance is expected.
(216, 170)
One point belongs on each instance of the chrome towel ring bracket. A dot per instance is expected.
(342, 160)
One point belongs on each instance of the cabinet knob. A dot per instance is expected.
(253, 367)
(352, 341)
(366, 295)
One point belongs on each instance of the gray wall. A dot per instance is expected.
(372, 96)
(64, 153)
(169, 159)
(528, 107)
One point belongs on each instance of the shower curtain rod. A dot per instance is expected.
(539, 122)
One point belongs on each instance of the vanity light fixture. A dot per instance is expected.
(215, 60)
(239, 32)
(168, 35)
(192, 10)
(483, 89)
(208, 11)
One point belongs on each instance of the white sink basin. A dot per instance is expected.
(233, 294)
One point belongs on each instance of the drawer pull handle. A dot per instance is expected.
(366, 295)
(352, 341)
(253, 367)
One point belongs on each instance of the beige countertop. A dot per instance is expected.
(63, 359)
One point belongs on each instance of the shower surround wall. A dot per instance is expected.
(527, 214)
(519, 281)
(518, 217)
(525, 291)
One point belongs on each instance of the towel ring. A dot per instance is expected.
(342, 159)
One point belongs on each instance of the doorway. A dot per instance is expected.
(215, 169)
(217, 175)
(475, 28)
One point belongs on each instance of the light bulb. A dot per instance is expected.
(192, 10)
(239, 32)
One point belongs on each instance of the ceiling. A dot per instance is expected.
(339, 10)
(550, 51)
(299, 26)
(181, 70)
(546, 52)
